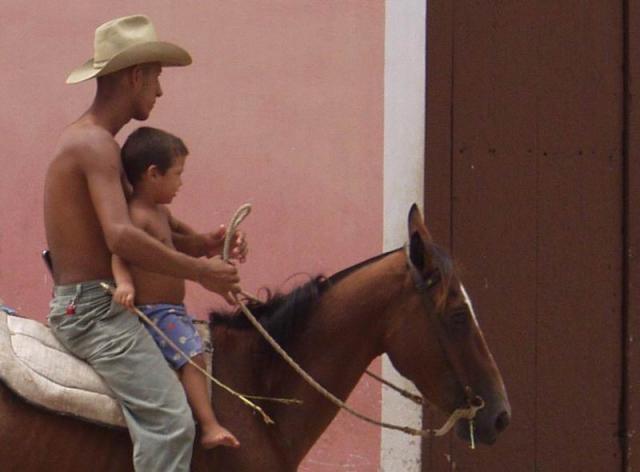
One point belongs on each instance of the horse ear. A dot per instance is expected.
(416, 251)
(416, 224)
(419, 238)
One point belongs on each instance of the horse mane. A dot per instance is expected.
(284, 315)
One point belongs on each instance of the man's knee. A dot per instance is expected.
(171, 450)
(188, 427)
(183, 425)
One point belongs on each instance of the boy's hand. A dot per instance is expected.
(214, 243)
(219, 277)
(124, 294)
(239, 247)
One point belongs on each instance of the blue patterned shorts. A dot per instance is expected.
(177, 324)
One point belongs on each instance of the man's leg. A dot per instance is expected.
(114, 342)
(155, 406)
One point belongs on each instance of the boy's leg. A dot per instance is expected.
(195, 386)
(114, 342)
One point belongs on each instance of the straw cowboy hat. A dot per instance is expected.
(125, 42)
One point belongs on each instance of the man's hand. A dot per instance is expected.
(124, 294)
(219, 277)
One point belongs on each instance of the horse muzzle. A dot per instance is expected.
(488, 423)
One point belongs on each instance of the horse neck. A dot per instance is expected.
(345, 333)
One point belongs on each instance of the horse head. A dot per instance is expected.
(435, 340)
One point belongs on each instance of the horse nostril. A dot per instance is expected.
(502, 421)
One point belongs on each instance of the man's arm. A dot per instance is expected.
(101, 166)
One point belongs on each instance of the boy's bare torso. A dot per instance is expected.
(74, 235)
(151, 287)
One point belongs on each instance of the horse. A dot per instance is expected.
(408, 304)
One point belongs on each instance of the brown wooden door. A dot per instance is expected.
(526, 160)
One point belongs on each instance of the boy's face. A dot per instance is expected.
(167, 185)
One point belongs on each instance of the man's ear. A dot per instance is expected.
(135, 76)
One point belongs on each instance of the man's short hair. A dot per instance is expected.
(148, 146)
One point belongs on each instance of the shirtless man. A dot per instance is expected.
(86, 220)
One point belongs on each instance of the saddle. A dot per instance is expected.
(39, 369)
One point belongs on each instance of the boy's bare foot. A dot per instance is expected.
(217, 436)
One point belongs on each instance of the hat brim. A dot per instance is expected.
(167, 54)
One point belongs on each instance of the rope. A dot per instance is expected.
(241, 214)
(417, 399)
(244, 398)
(468, 413)
(460, 413)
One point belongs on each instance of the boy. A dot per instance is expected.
(153, 161)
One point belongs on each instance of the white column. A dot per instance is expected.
(404, 118)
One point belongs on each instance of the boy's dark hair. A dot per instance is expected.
(148, 146)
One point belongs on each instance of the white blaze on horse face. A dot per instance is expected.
(467, 300)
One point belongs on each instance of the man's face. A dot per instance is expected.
(147, 80)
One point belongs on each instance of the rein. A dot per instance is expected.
(242, 397)
(474, 403)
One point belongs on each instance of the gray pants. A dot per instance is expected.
(119, 348)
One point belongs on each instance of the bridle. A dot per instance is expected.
(424, 285)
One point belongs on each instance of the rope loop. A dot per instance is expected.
(239, 216)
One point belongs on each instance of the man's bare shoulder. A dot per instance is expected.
(86, 141)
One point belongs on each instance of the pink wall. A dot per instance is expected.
(283, 108)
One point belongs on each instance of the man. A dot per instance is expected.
(86, 220)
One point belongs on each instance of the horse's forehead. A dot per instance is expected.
(467, 300)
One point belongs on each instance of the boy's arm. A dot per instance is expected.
(195, 244)
(101, 167)
(125, 290)
(180, 227)
(186, 239)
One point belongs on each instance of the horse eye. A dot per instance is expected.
(459, 318)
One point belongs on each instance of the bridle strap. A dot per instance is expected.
(423, 286)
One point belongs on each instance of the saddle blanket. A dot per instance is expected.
(39, 369)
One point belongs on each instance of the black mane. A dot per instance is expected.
(284, 315)
(281, 315)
